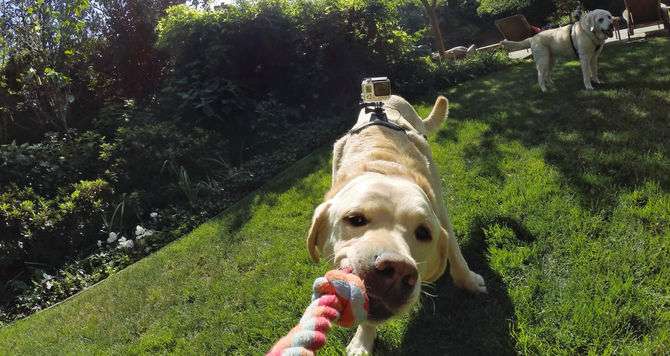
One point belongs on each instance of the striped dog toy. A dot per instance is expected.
(340, 297)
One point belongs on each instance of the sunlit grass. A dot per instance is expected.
(560, 200)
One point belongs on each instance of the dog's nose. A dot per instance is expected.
(393, 270)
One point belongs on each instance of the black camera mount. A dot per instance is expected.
(377, 110)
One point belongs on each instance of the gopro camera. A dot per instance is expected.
(376, 89)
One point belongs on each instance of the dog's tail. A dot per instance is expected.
(438, 115)
(516, 46)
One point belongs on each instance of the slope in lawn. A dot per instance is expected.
(561, 201)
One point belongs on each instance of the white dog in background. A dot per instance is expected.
(584, 39)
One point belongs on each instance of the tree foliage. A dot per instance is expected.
(63, 59)
(112, 109)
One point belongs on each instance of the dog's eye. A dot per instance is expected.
(423, 234)
(356, 220)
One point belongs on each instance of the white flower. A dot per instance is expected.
(125, 243)
(112, 237)
(20, 244)
(99, 243)
(46, 277)
(154, 215)
(141, 232)
(49, 284)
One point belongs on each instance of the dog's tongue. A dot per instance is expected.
(346, 269)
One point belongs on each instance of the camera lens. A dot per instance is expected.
(382, 89)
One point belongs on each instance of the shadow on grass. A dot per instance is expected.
(601, 141)
(457, 322)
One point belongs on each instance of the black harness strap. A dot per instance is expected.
(377, 118)
(572, 42)
(374, 121)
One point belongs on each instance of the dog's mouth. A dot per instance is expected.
(383, 302)
(378, 310)
(610, 31)
(383, 305)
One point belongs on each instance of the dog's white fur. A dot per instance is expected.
(390, 177)
(589, 35)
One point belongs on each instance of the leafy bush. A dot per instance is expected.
(48, 231)
(537, 11)
(274, 64)
(247, 91)
(58, 160)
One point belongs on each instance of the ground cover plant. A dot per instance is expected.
(124, 125)
(560, 200)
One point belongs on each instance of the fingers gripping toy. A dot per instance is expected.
(339, 296)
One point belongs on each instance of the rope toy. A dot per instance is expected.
(338, 297)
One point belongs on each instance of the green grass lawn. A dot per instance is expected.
(560, 200)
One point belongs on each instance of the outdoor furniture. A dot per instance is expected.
(640, 13)
(665, 16)
(616, 23)
(515, 28)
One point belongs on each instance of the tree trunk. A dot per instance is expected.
(435, 26)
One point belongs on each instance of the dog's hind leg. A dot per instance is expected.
(550, 70)
(542, 62)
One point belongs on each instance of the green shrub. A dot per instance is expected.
(58, 160)
(448, 74)
(248, 91)
(535, 10)
(47, 231)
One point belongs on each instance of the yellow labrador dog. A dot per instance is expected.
(384, 216)
(583, 39)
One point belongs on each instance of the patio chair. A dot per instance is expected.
(640, 13)
(514, 28)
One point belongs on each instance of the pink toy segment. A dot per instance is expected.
(337, 297)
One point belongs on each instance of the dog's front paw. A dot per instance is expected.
(588, 87)
(363, 341)
(597, 81)
(357, 349)
(472, 282)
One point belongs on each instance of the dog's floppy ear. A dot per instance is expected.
(317, 232)
(588, 21)
(438, 262)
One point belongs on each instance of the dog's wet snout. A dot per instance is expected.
(393, 271)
